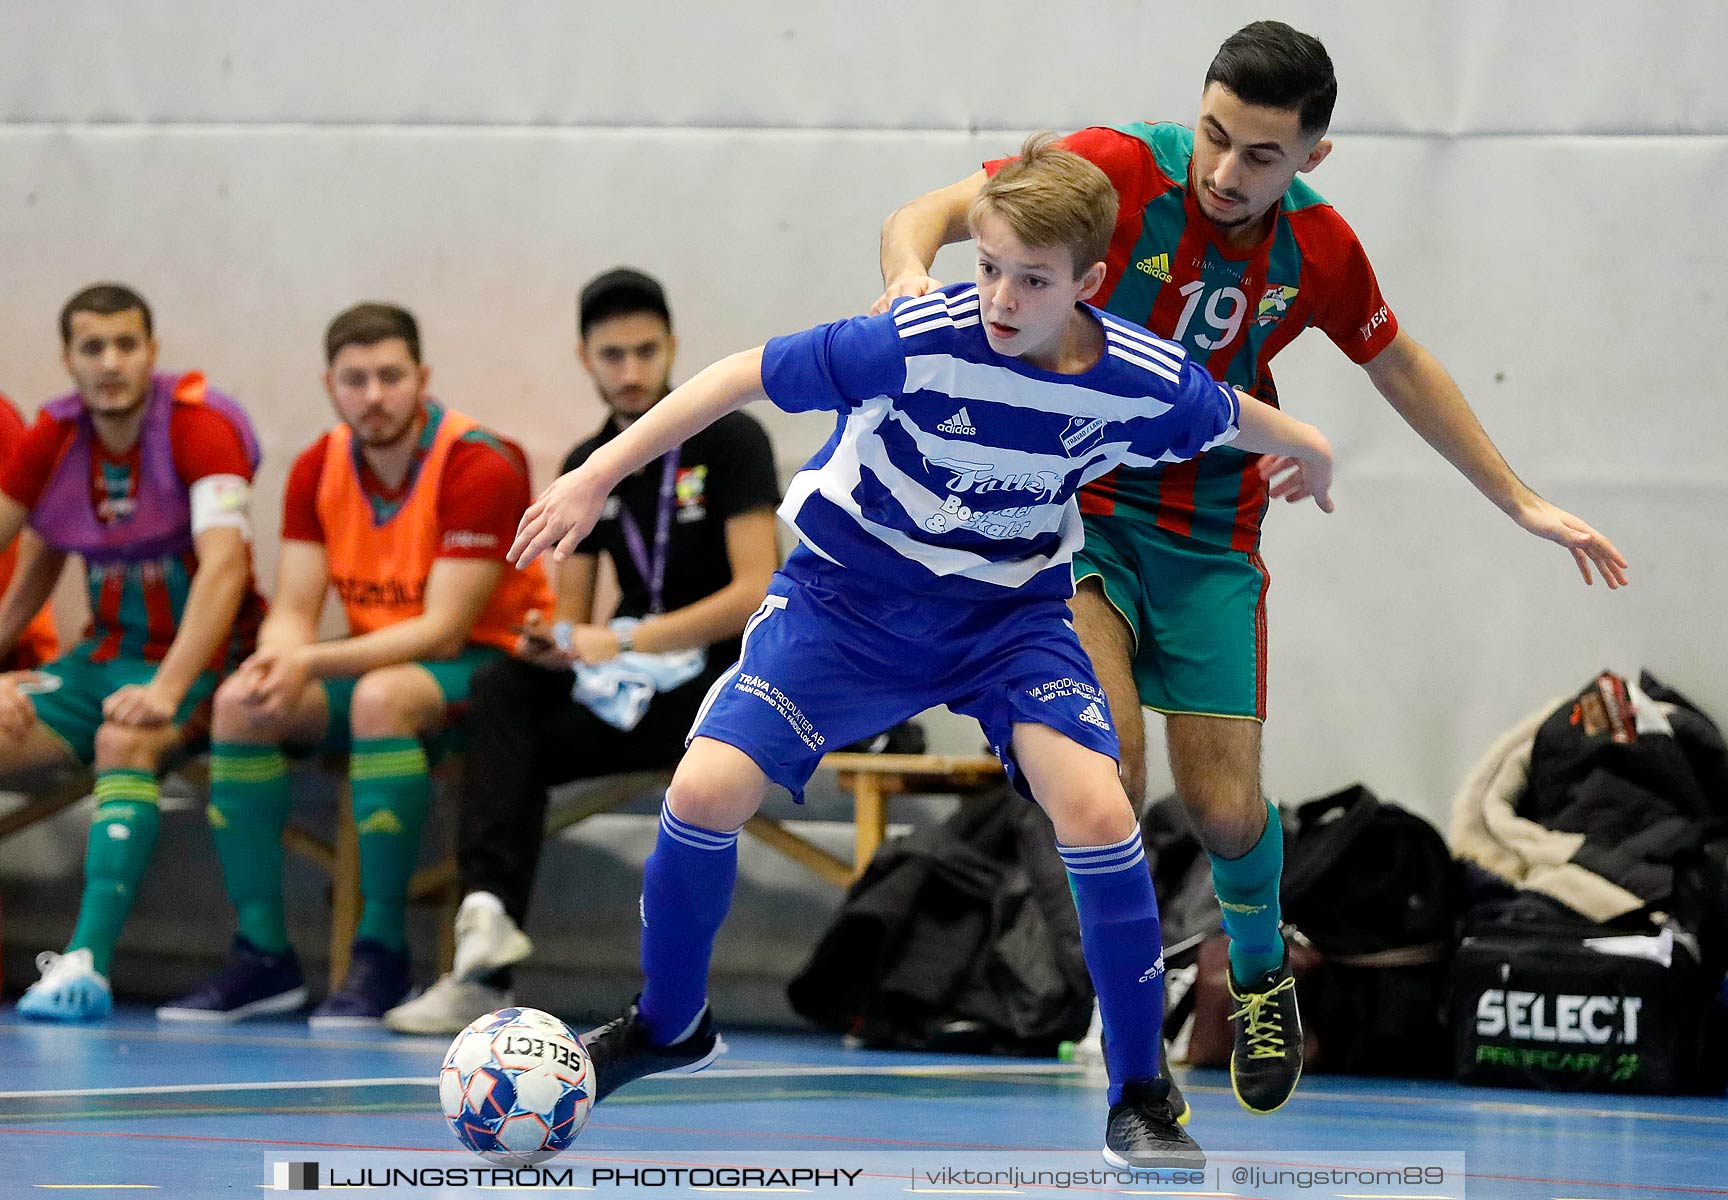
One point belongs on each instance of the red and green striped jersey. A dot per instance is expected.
(136, 606)
(1231, 308)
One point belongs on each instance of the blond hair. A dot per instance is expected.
(1051, 197)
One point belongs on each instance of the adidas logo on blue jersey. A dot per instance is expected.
(1093, 715)
(960, 423)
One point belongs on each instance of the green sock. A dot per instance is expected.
(1247, 890)
(392, 791)
(249, 802)
(122, 835)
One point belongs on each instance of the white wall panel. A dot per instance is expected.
(1548, 66)
(254, 170)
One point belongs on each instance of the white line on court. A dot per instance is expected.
(171, 1089)
(934, 1070)
(226, 1035)
(432, 1081)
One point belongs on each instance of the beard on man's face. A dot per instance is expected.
(1238, 214)
(634, 401)
(376, 431)
(115, 396)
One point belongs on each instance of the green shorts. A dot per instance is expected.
(72, 710)
(453, 677)
(1197, 613)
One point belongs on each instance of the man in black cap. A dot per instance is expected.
(692, 540)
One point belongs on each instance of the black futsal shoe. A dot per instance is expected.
(1143, 1131)
(1266, 1059)
(621, 1052)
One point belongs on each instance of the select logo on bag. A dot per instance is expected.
(1558, 1017)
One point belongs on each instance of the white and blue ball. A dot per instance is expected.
(517, 1086)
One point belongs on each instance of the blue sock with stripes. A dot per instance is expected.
(1124, 953)
(686, 890)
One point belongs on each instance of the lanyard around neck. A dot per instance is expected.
(652, 567)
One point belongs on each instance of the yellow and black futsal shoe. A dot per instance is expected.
(1266, 1059)
(1178, 1102)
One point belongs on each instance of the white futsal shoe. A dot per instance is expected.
(486, 938)
(70, 989)
(447, 1006)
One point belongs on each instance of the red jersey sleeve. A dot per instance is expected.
(26, 473)
(1352, 311)
(11, 428)
(300, 521)
(481, 498)
(206, 444)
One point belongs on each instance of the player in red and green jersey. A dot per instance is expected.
(1219, 247)
(146, 477)
(1231, 307)
(136, 605)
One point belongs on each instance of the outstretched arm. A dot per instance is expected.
(1424, 394)
(915, 231)
(566, 511)
(1267, 430)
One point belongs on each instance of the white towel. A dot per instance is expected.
(619, 690)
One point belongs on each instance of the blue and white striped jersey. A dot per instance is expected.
(953, 466)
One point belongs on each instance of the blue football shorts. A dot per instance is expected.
(833, 656)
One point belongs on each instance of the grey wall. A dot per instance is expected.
(1538, 185)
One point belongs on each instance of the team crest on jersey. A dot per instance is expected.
(692, 487)
(1274, 304)
(1082, 434)
(691, 483)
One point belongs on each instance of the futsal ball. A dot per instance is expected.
(516, 1086)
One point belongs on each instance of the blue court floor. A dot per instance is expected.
(131, 1107)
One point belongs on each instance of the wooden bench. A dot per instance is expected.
(869, 779)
